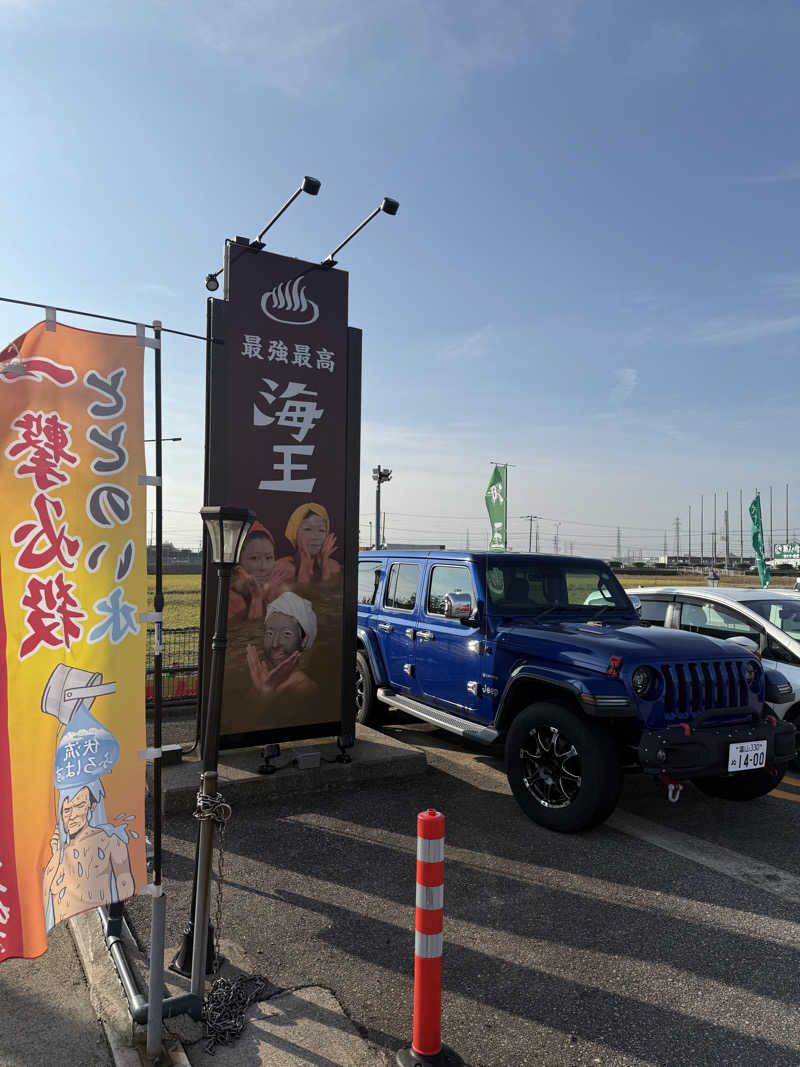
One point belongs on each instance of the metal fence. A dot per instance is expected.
(179, 665)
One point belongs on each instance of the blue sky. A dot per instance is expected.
(594, 274)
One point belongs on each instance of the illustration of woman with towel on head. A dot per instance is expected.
(258, 577)
(309, 530)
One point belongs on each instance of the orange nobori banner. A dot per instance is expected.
(72, 647)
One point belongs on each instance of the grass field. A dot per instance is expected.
(738, 581)
(181, 599)
(182, 591)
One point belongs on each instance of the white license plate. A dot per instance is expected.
(747, 755)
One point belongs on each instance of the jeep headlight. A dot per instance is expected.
(643, 681)
(751, 673)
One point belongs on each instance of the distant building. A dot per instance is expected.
(175, 560)
(415, 548)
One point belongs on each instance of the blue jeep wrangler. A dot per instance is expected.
(548, 653)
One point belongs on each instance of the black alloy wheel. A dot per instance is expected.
(563, 768)
(552, 766)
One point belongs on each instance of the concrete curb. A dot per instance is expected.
(375, 757)
(105, 991)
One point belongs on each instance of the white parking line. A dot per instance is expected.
(726, 861)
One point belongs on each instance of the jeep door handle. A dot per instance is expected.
(387, 626)
(426, 635)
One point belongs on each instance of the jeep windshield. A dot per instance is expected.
(537, 588)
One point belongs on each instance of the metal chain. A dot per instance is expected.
(220, 882)
(226, 1003)
(216, 808)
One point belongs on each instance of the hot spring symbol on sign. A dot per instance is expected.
(288, 304)
(89, 863)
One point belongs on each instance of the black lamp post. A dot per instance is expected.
(227, 529)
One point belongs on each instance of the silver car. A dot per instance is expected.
(768, 621)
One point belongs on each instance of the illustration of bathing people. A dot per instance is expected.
(89, 863)
(259, 577)
(290, 629)
(309, 530)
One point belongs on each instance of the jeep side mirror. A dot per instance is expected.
(458, 606)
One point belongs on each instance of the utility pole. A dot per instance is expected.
(530, 519)
(727, 538)
(379, 476)
(741, 530)
(666, 550)
(787, 512)
(619, 544)
(555, 538)
(714, 534)
(702, 545)
(677, 535)
(690, 535)
(771, 545)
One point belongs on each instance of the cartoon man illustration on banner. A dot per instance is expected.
(89, 863)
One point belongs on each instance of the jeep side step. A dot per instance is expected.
(485, 735)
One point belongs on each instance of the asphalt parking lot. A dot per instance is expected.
(669, 935)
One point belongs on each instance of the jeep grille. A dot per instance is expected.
(692, 688)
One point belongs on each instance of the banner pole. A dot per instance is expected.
(157, 924)
(505, 510)
(158, 607)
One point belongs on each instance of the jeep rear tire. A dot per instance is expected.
(563, 769)
(744, 785)
(366, 701)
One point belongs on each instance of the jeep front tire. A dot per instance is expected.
(563, 769)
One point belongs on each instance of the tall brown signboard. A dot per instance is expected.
(282, 438)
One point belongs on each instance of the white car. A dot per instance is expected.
(768, 621)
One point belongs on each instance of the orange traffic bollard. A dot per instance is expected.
(426, 1041)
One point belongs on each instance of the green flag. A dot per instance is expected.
(758, 540)
(496, 506)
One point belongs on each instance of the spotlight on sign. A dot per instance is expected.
(308, 185)
(387, 205)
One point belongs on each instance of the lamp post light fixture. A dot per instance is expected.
(379, 476)
(227, 529)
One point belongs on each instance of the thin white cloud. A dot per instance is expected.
(627, 380)
(738, 331)
(300, 46)
(788, 173)
(154, 288)
(477, 344)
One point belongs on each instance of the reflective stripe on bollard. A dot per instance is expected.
(426, 1041)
